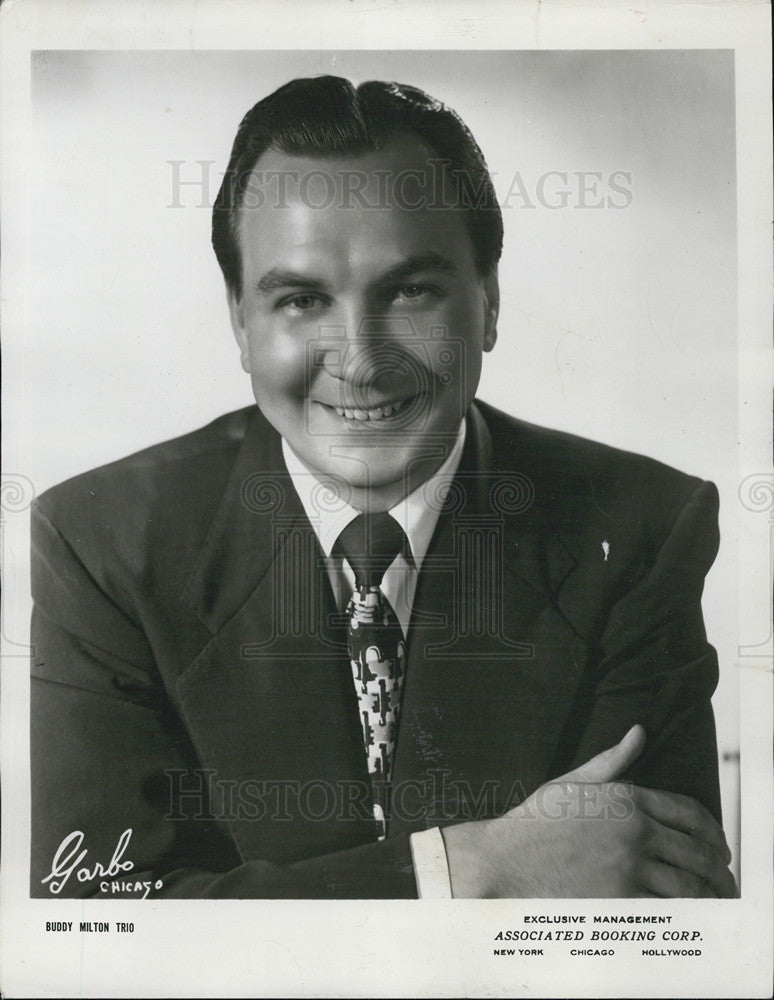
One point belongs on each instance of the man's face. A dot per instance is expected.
(362, 319)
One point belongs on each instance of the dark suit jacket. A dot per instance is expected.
(190, 682)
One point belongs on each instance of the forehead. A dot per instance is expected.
(392, 202)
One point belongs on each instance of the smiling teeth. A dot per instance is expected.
(377, 413)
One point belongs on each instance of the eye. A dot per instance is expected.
(301, 303)
(411, 291)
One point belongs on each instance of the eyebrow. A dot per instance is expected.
(418, 262)
(277, 278)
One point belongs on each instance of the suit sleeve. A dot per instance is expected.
(103, 733)
(655, 667)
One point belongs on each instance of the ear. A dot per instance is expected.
(236, 311)
(491, 288)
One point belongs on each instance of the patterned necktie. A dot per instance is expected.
(375, 644)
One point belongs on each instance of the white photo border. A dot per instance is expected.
(436, 948)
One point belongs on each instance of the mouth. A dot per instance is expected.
(357, 415)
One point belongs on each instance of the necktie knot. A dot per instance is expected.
(370, 544)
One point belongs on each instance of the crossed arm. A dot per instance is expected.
(588, 835)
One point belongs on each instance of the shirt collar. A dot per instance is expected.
(416, 513)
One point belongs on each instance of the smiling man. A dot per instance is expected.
(361, 322)
(372, 637)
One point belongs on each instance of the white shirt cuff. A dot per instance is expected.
(431, 869)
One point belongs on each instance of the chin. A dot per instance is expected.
(374, 476)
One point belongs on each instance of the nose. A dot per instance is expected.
(368, 351)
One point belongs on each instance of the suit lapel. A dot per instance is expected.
(493, 665)
(269, 701)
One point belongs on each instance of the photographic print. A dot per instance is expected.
(375, 512)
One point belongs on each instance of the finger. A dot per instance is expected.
(611, 763)
(691, 855)
(680, 812)
(671, 883)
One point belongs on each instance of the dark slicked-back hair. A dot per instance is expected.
(326, 116)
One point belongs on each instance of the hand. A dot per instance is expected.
(588, 835)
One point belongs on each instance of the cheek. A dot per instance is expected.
(278, 363)
(458, 352)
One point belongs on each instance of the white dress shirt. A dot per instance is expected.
(418, 515)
